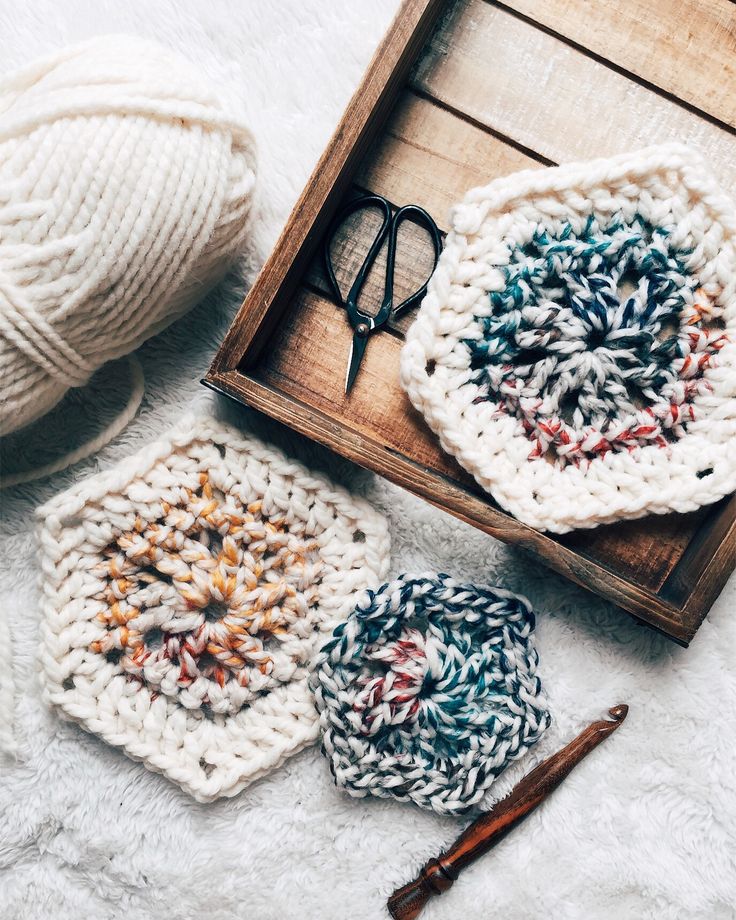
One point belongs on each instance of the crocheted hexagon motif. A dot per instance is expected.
(184, 592)
(576, 351)
(428, 691)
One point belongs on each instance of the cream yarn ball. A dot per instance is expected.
(125, 183)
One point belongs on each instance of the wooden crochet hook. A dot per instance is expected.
(438, 875)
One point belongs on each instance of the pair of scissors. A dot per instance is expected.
(362, 323)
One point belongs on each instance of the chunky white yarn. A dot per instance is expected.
(183, 594)
(576, 350)
(125, 183)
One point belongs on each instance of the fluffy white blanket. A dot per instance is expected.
(644, 828)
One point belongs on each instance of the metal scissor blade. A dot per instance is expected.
(357, 350)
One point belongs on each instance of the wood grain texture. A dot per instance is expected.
(684, 47)
(327, 428)
(330, 180)
(546, 96)
(376, 404)
(490, 95)
(646, 551)
(711, 553)
(429, 156)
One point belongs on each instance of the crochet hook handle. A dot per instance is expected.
(439, 874)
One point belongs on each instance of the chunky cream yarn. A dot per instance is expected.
(125, 184)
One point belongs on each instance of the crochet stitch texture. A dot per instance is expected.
(428, 691)
(183, 594)
(125, 187)
(576, 351)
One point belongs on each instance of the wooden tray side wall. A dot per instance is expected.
(455, 121)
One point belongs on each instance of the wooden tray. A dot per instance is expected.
(457, 94)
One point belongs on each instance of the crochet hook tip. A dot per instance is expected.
(619, 712)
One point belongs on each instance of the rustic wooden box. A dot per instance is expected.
(457, 94)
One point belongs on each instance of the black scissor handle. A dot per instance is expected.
(389, 226)
(416, 215)
(366, 201)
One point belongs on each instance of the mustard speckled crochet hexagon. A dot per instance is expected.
(576, 351)
(184, 592)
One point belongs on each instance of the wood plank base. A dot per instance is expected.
(459, 94)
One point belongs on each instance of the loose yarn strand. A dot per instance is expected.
(91, 446)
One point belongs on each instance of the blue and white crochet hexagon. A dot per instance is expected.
(429, 690)
(576, 351)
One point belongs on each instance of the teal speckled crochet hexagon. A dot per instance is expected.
(428, 691)
(576, 351)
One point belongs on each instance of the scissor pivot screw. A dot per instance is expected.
(362, 329)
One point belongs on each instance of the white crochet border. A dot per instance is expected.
(160, 732)
(650, 480)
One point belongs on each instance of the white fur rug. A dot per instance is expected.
(644, 828)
